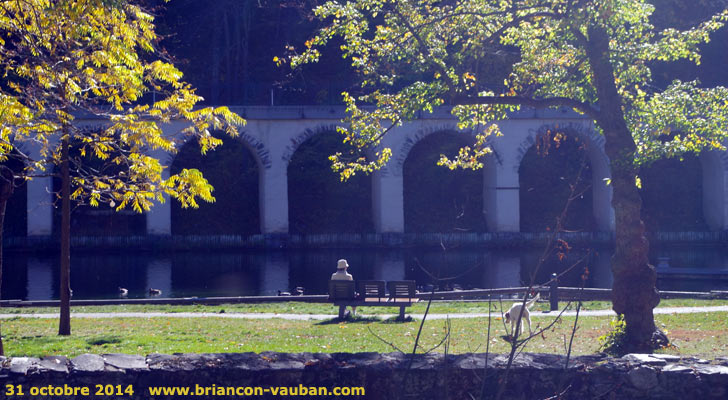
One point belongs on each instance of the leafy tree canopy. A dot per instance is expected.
(96, 58)
(443, 42)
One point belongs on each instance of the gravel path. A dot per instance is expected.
(304, 317)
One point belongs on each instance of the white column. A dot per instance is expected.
(501, 196)
(273, 188)
(715, 183)
(159, 217)
(388, 202)
(40, 206)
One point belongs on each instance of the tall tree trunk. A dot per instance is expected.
(64, 323)
(634, 294)
(7, 184)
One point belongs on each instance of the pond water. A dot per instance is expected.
(246, 273)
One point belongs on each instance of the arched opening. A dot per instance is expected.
(233, 173)
(557, 163)
(672, 195)
(318, 201)
(437, 199)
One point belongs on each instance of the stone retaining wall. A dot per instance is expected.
(383, 376)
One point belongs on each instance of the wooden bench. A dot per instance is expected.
(372, 294)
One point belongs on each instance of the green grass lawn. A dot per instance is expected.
(694, 334)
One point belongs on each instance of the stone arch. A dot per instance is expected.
(600, 170)
(411, 139)
(596, 141)
(261, 153)
(436, 199)
(318, 202)
(236, 187)
(302, 137)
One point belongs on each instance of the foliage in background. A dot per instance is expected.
(227, 48)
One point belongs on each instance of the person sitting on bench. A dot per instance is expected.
(342, 275)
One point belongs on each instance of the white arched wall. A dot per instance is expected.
(502, 181)
(274, 133)
(388, 183)
(329, 128)
(282, 137)
(159, 218)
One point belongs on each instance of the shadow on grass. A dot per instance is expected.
(396, 320)
(102, 340)
(356, 319)
(359, 319)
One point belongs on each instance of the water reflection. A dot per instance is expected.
(43, 287)
(274, 274)
(159, 276)
(504, 271)
(241, 273)
(389, 266)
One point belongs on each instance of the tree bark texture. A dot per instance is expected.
(64, 323)
(7, 184)
(634, 294)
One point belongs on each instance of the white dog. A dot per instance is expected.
(515, 311)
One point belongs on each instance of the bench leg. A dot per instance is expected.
(401, 313)
(342, 309)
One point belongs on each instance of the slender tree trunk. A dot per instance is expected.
(7, 181)
(64, 323)
(634, 294)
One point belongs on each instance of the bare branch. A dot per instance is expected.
(392, 345)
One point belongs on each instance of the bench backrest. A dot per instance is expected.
(399, 289)
(369, 289)
(341, 290)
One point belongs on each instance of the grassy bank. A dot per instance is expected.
(700, 334)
